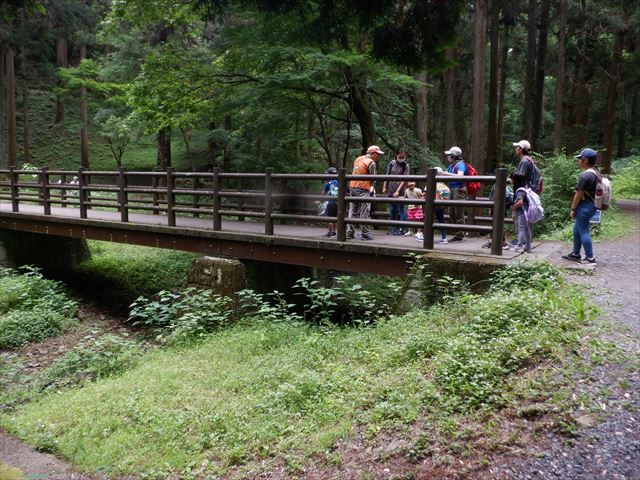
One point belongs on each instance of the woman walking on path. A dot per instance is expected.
(583, 208)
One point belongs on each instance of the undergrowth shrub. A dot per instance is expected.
(560, 173)
(188, 314)
(96, 358)
(32, 307)
(626, 181)
(523, 275)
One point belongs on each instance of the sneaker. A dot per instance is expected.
(518, 249)
(588, 261)
(443, 241)
(328, 234)
(419, 237)
(456, 239)
(408, 233)
(333, 234)
(514, 242)
(349, 235)
(572, 256)
(484, 245)
(397, 232)
(366, 236)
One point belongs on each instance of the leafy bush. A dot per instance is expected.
(538, 276)
(32, 308)
(348, 301)
(626, 182)
(188, 314)
(560, 173)
(97, 358)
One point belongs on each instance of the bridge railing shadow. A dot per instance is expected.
(266, 197)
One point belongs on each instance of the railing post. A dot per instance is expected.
(82, 193)
(430, 196)
(63, 192)
(196, 197)
(46, 194)
(154, 185)
(268, 202)
(123, 197)
(240, 199)
(171, 214)
(217, 220)
(13, 179)
(341, 226)
(497, 233)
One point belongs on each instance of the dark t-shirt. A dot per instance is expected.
(396, 168)
(588, 181)
(525, 168)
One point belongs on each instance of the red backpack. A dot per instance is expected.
(472, 187)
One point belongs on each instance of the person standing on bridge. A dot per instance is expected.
(363, 165)
(395, 189)
(457, 166)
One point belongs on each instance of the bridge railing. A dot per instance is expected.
(221, 195)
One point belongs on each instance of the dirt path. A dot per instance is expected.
(609, 449)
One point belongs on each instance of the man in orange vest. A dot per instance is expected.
(363, 165)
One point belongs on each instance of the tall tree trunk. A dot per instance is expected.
(25, 95)
(226, 158)
(612, 100)
(84, 129)
(3, 158)
(454, 130)
(581, 98)
(477, 117)
(212, 145)
(560, 76)
(530, 73)
(308, 148)
(492, 124)
(538, 104)
(634, 124)
(361, 106)
(502, 94)
(420, 110)
(11, 107)
(621, 150)
(62, 62)
(164, 148)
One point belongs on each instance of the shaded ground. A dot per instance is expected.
(604, 445)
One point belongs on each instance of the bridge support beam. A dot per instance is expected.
(52, 254)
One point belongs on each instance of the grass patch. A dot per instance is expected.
(626, 181)
(258, 392)
(614, 225)
(32, 308)
(120, 273)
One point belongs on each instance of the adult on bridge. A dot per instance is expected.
(363, 165)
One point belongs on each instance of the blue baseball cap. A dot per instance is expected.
(587, 153)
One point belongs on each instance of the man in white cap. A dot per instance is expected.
(457, 166)
(527, 166)
(363, 165)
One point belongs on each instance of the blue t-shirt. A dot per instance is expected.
(331, 188)
(456, 168)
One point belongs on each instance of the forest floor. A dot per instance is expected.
(603, 444)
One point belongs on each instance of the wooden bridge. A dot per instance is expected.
(268, 216)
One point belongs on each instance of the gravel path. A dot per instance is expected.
(610, 449)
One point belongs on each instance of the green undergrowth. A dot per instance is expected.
(626, 181)
(615, 224)
(261, 392)
(32, 307)
(120, 273)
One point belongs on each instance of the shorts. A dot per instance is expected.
(415, 213)
(332, 209)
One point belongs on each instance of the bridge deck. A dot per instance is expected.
(299, 244)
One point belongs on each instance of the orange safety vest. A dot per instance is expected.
(361, 167)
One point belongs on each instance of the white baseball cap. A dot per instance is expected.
(453, 151)
(524, 144)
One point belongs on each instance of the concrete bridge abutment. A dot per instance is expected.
(50, 253)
